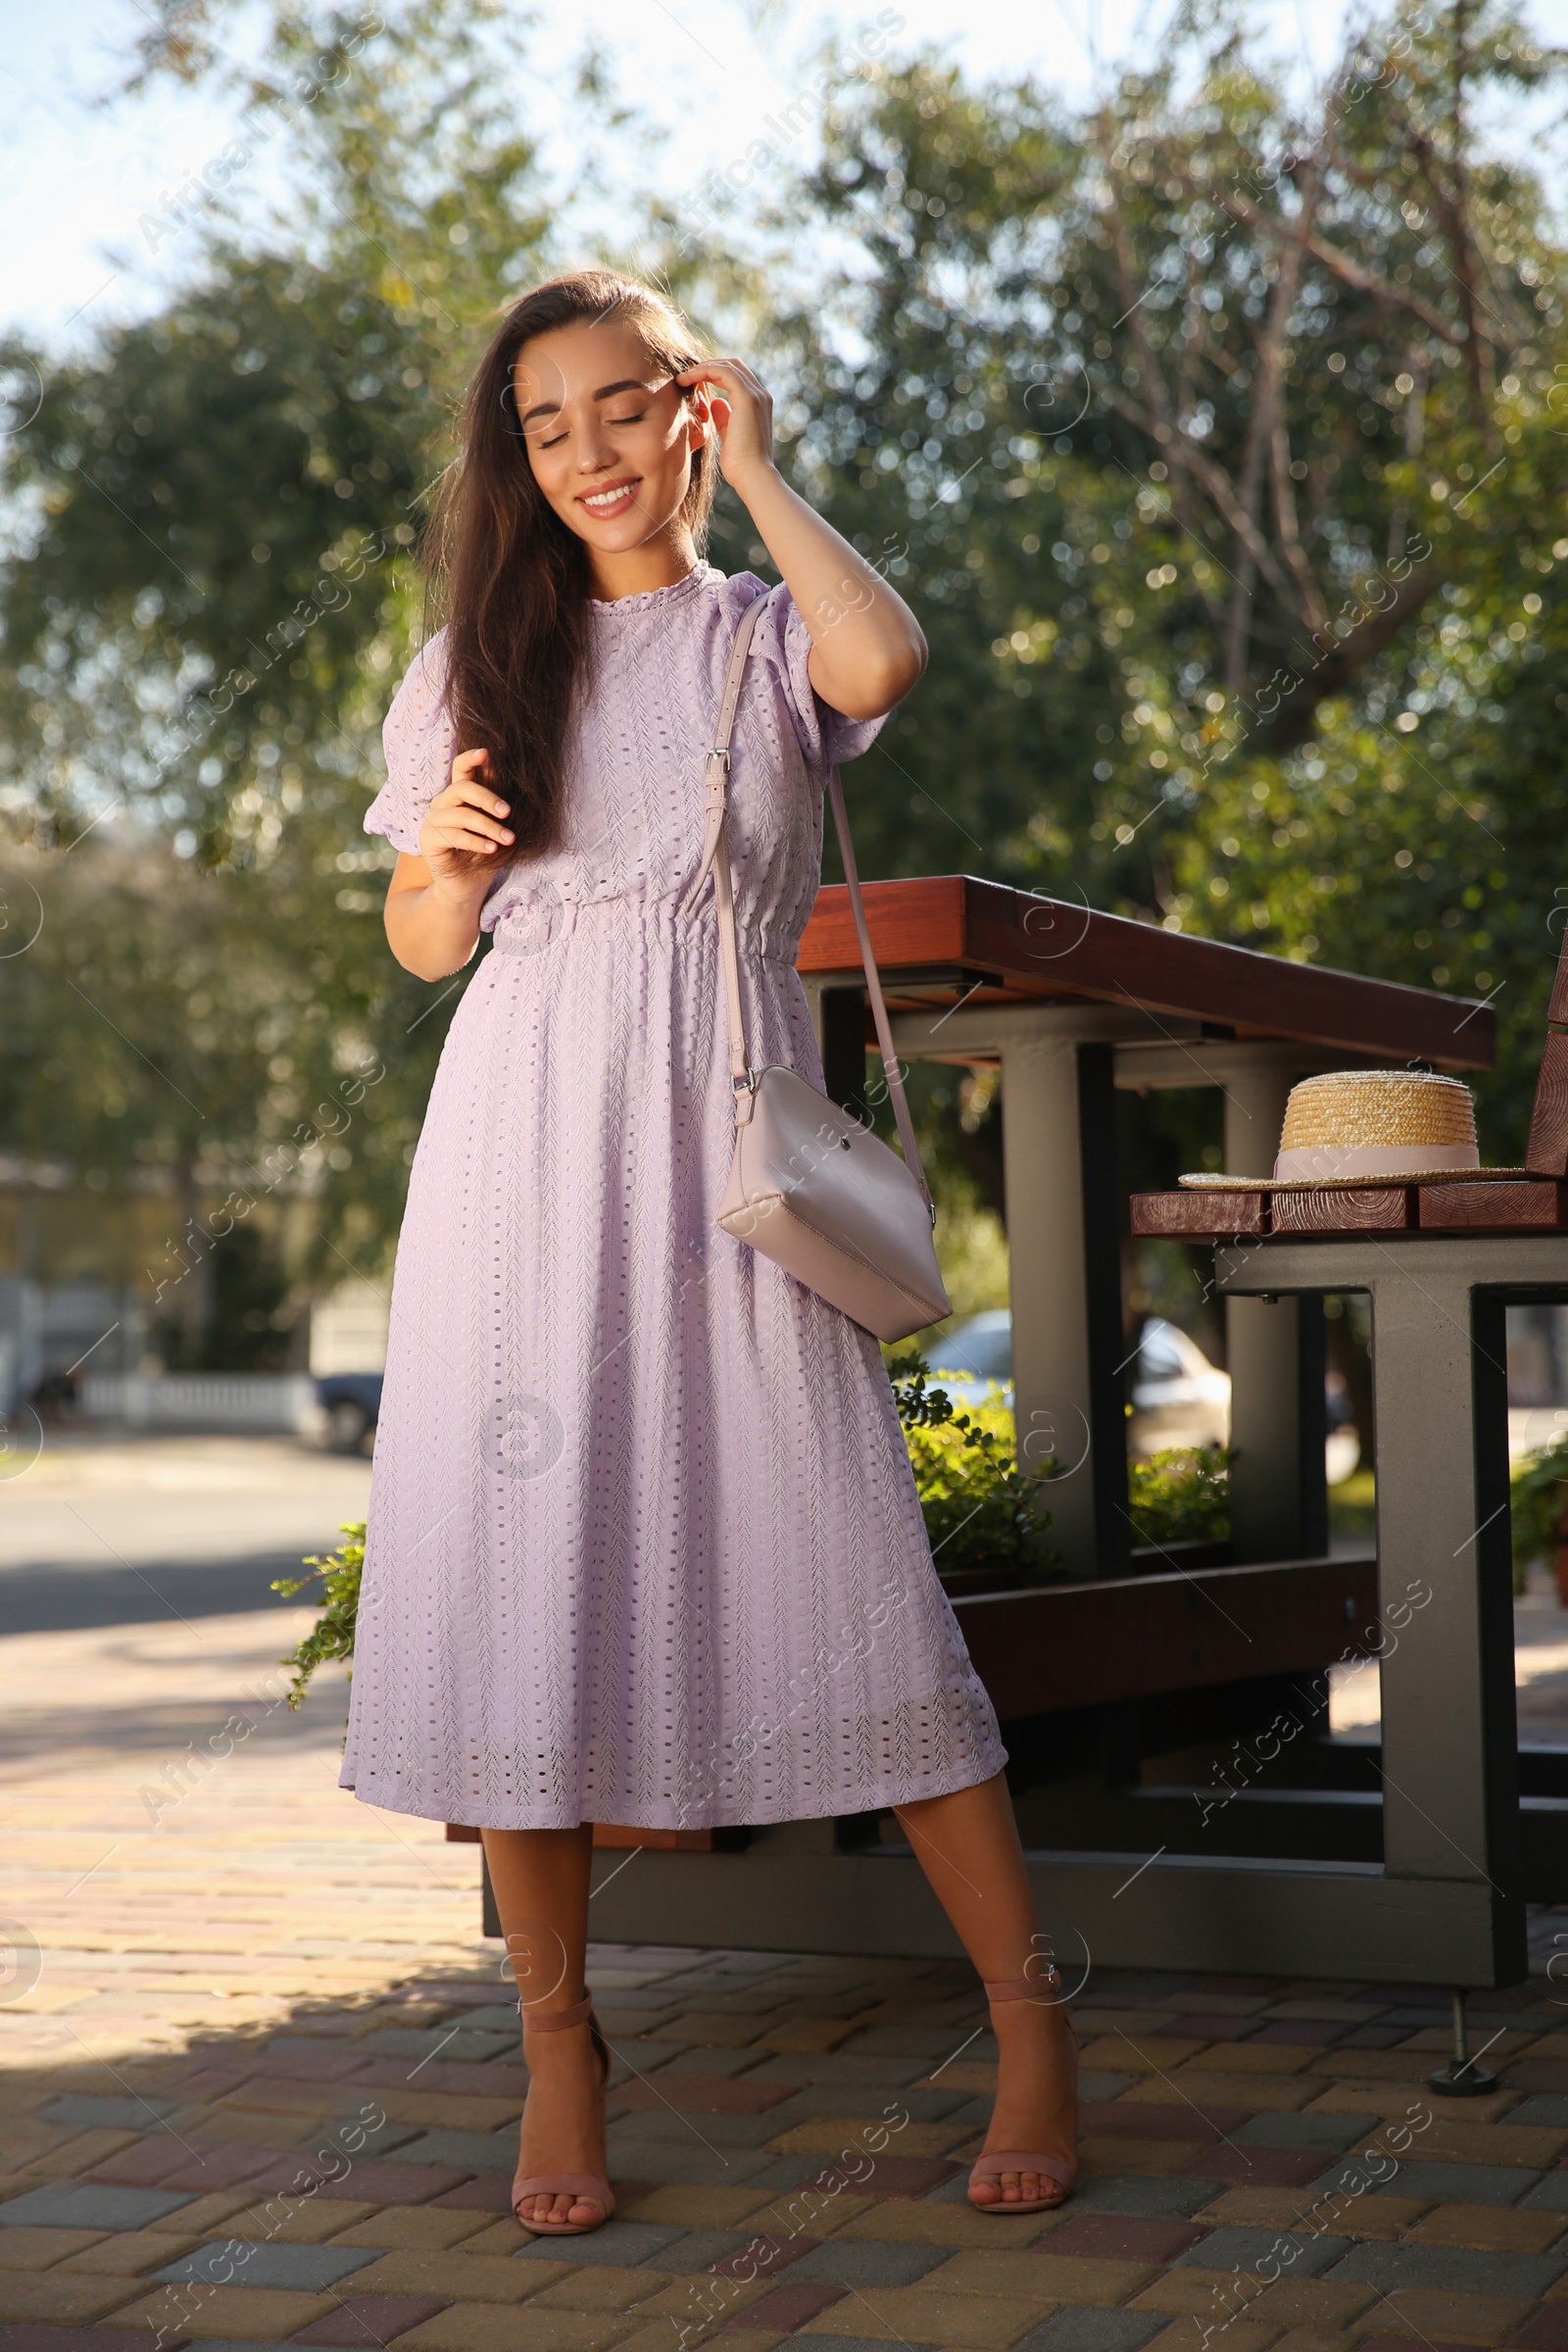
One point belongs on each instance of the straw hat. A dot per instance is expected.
(1366, 1127)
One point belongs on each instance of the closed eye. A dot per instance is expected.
(557, 438)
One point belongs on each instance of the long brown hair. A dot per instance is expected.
(511, 579)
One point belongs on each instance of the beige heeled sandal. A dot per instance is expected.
(990, 2168)
(590, 2187)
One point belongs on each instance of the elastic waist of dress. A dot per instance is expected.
(545, 922)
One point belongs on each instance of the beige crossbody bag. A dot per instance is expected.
(809, 1186)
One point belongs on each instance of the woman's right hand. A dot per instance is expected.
(461, 822)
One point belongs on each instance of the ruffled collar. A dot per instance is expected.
(697, 578)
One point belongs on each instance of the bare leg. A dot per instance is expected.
(968, 1846)
(540, 1879)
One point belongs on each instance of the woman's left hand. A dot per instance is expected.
(743, 414)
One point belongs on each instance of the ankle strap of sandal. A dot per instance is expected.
(1026, 1988)
(556, 2021)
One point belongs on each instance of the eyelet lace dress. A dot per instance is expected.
(644, 1541)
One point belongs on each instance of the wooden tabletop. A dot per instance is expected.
(937, 934)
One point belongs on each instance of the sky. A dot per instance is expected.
(84, 242)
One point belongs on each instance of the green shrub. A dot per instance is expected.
(1538, 1489)
(332, 1634)
(980, 1511)
(1181, 1494)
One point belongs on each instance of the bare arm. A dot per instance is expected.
(433, 899)
(868, 648)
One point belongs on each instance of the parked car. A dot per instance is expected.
(352, 1404)
(1178, 1396)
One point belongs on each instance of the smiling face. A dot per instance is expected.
(609, 438)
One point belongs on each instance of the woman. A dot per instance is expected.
(644, 1541)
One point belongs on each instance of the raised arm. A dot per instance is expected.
(868, 648)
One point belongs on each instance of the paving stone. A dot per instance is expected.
(36, 2249)
(1440, 2316)
(1335, 2214)
(1546, 2330)
(63, 2295)
(127, 2113)
(1507, 2227)
(608, 2289)
(1539, 2073)
(1449, 2183)
(1139, 2053)
(705, 2094)
(461, 2151)
(1550, 2195)
(866, 2343)
(128, 2253)
(1311, 2303)
(1168, 2119)
(809, 2034)
(255, 2314)
(1544, 2108)
(1207, 2088)
(1121, 2158)
(289, 2221)
(1453, 2142)
(1263, 2168)
(851, 2138)
(243, 2262)
(1124, 2238)
(627, 2243)
(461, 2275)
(868, 2261)
(1228, 2248)
(85, 2205)
(695, 2208)
(915, 2315)
(1115, 2193)
(411, 2227)
(1039, 2275)
(1217, 2295)
(1086, 2330)
(692, 2165)
(787, 2307)
(1193, 2335)
(657, 2126)
(491, 2328)
(1472, 2270)
(22, 2336)
(1332, 2133)
(366, 2319)
(941, 2221)
(848, 2065)
(467, 2045)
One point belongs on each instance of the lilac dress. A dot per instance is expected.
(644, 1541)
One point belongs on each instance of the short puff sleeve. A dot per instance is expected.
(418, 740)
(784, 642)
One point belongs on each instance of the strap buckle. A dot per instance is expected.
(720, 751)
(746, 1085)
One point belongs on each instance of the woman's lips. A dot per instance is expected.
(614, 499)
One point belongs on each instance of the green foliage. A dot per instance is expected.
(1226, 489)
(980, 1511)
(338, 1573)
(1180, 1495)
(1538, 1497)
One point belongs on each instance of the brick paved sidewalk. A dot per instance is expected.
(1264, 2166)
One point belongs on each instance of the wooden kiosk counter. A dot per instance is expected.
(1315, 1862)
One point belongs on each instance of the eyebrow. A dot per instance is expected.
(550, 408)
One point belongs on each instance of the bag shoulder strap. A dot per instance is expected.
(715, 854)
